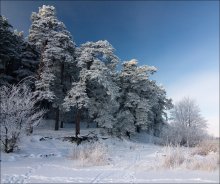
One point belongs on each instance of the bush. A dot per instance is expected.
(173, 157)
(18, 115)
(203, 159)
(206, 147)
(180, 135)
(90, 154)
(208, 163)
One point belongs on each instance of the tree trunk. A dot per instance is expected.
(128, 134)
(77, 128)
(61, 124)
(62, 72)
(6, 139)
(57, 119)
(138, 129)
(30, 130)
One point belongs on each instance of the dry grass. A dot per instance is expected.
(90, 154)
(208, 163)
(173, 157)
(204, 157)
(206, 147)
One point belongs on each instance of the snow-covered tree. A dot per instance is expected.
(142, 102)
(98, 63)
(55, 44)
(44, 83)
(101, 50)
(77, 98)
(160, 104)
(133, 81)
(9, 52)
(102, 91)
(187, 122)
(29, 60)
(18, 115)
(18, 58)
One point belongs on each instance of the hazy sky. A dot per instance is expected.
(180, 38)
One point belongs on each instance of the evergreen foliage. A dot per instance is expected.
(18, 59)
(56, 47)
(83, 79)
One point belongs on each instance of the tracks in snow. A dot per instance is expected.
(23, 178)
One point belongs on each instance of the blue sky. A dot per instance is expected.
(180, 38)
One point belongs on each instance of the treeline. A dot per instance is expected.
(81, 82)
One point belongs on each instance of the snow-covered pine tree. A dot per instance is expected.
(78, 99)
(97, 62)
(9, 52)
(101, 50)
(18, 59)
(28, 62)
(134, 105)
(159, 102)
(55, 44)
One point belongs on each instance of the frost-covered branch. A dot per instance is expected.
(19, 114)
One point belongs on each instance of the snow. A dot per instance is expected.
(129, 161)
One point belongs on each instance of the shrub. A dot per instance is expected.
(173, 157)
(18, 114)
(90, 154)
(202, 159)
(206, 147)
(180, 135)
(208, 163)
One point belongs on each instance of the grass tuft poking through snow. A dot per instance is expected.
(93, 154)
(207, 163)
(204, 157)
(173, 157)
(206, 147)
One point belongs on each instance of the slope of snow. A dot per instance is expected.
(50, 161)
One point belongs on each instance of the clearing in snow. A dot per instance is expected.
(51, 160)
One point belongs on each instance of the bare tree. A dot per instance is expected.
(188, 127)
(18, 115)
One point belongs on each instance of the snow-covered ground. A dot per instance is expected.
(51, 161)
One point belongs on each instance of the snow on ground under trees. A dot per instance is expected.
(110, 160)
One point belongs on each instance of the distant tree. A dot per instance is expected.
(56, 48)
(18, 115)
(188, 127)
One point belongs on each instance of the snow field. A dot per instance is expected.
(111, 160)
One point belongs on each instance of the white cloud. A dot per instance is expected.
(204, 88)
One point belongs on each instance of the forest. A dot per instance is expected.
(78, 113)
(75, 83)
(48, 76)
